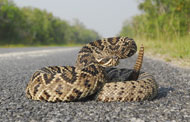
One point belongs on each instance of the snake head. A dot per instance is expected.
(105, 59)
(108, 61)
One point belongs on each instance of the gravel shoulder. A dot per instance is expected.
(17, 66)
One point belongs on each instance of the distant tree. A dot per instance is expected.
(10, 21)
(160, 19)
(32, 26)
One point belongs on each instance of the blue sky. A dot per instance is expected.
(104, 16)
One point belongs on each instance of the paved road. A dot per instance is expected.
(17, 66)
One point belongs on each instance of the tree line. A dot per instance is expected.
(160, 20)
(32, 26)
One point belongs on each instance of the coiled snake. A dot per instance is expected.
(94, 74)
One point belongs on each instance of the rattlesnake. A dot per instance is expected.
(93, 74)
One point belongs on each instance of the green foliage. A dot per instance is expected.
(163, 27)
(32, 26)
(161, 20)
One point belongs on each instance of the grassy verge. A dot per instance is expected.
(175, 51)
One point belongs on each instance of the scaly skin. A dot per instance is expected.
(69, 83)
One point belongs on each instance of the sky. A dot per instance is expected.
(104, 16)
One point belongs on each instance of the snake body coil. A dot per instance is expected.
(92, 75)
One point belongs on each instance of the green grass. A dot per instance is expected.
(178, 49)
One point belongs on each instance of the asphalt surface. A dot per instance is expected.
(17, 66)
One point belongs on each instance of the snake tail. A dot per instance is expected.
(139, 61)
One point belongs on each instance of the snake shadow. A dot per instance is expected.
(163, 92)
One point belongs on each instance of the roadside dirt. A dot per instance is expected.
(182, 63)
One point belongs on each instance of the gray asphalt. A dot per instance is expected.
(17, 66)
